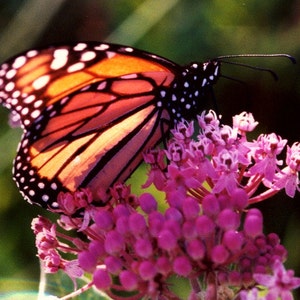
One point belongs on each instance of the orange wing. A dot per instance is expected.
(39, 78)
(92, 137)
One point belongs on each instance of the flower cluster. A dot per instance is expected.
(206, 234)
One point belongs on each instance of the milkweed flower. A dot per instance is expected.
(288, 178)
(279, 284)
(207, 233)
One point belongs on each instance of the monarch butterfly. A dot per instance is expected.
(89, 110)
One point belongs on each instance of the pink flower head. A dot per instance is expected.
(209, 118)
(204, 231)
(266, 149)
(176, 152)
(227, 166)
(244, 122)
(183, 131)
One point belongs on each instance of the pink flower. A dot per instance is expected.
(183, 131)
(288, 177)
(266, 149)
(244, 122)
(280, 284)
(155, 158)
(227, 166)
(205, 232)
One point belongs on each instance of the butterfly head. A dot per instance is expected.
(191, 88)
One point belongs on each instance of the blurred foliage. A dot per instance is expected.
(183, 31)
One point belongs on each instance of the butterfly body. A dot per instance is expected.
(89, 110)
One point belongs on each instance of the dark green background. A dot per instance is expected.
(186, 31)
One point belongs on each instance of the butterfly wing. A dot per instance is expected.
(92, 137)
(38, 78)
(88, 111)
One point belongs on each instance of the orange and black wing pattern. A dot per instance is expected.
(89, 110)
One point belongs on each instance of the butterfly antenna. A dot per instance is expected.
(291, 58)
(275, 76)
(233, 79)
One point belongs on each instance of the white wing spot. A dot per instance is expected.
(50, 107)
(38, 126)
(19, 62)
(14, 102)
(54, 205)
(31, 193)
(53, 186)
(76, 67)
(85, 88)
(25, 143)
(128, 49)
(9, 87)
(38, 103)
(7, 105)
(87, 56)
(101, 86)
(29, 99)
(32, 53)
(52, 114)
(35, 114)
(64, 100)
(216, 71)
(24, 111)
(60, 53)
(41, 185)
(58, 62)
(163, 94)
(60, 59)
(11, 73)
(110, 54)
(45, 198)
(41, 82)
(102, 47)
(16, 94)
(80, 47)
(26, 122)
(129, 76)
